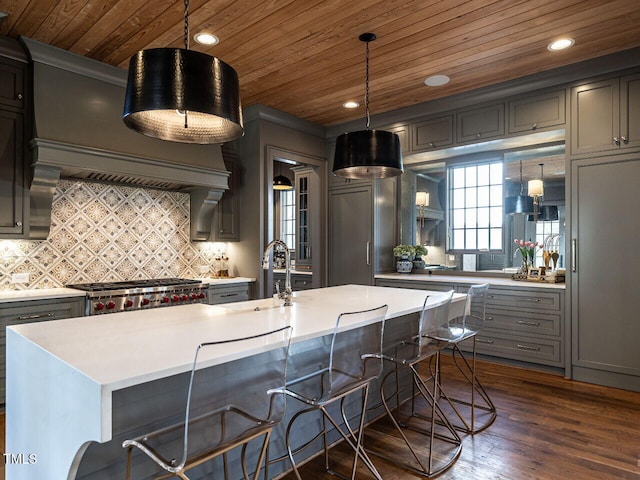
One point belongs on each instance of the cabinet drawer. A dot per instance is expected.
(524, 299)
(228, 294)
(527, 349)
(301, 282)
(519, 321)
(37, 311)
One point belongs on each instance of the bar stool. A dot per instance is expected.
(350, 361)
(472, 323)
(409, 354)
(237, 408)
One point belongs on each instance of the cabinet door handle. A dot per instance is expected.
(528, 347)
(534, 126)
(234, 294)
(431, 144)
(574, 255)
(624, 139)
(19, 96)
(529, 300)
(531, 324)
(36, 316)
(18, 224)
(490, 342)
(616, 140)
(488, 318)
(368, 253)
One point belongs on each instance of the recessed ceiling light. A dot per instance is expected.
(437, 80)
(204, 38)
(561, 44)
(350, 104)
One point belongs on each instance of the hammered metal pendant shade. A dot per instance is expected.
(368, 154)
(170, 87)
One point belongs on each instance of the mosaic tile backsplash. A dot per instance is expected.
(101, 233)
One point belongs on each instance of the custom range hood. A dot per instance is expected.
(78, 133)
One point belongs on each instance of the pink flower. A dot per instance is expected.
(540, 247)
(527, 244)
(516, 241)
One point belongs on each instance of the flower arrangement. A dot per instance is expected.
(420, 250)
(400, 250)
(527, 249)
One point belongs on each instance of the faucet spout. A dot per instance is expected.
(287, 293)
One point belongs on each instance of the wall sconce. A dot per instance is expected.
(535, 189)
(422, 200)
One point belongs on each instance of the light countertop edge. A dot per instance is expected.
(498, 281)
(39, 294)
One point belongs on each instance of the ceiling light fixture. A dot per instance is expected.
(437, 80)
(205, 38)
(162, 81)
(518, 203)
(350, 104)
(560, 44)
(368, 153)
(280, 182)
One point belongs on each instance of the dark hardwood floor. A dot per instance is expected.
(547, 428)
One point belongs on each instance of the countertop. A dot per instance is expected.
(48, 293)
(145, 345)
(469, 279)
(39, 294)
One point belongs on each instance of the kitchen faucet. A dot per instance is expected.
(287, 294)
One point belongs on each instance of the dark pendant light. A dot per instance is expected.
(368, 153)
(281, 182)
(183, 96)
(518, 204)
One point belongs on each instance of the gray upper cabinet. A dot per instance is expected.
(432, 134)
(226, 222)
(605, 115)
(404, 133)
(12, 148)
(480, 124)
(537, 112)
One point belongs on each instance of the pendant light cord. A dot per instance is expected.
(186, 47)
(366, 88)
(521, 185)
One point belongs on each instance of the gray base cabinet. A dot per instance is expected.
(522, 324)
(16, 313)
(237, 292)
(299, 281)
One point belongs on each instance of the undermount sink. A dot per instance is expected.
(255, 305)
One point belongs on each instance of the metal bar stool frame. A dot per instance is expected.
(473, 321)
(262, 425)
(337, 381)
(409, 354)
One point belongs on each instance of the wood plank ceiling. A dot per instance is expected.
(304, 57)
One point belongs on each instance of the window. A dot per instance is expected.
(288, 217)
(475, 212)
(543, 230)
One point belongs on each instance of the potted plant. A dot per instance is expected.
(404, 254)
(418, 261)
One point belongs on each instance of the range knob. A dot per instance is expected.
(164, 300)
(128, 303)
(111, 305)
(99, 306)
(194, 296)
(201, 295)
(175, 298)
(184, 296)
(145, 301)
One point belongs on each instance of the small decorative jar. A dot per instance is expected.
(418, 263)
(403, 264)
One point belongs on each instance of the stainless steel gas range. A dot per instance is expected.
(141, 294)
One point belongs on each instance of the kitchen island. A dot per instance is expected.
(79, 385)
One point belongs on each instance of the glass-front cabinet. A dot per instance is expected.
(304, 188)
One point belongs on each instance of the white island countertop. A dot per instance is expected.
(61, 374)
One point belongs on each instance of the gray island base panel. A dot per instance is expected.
(77, 387)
